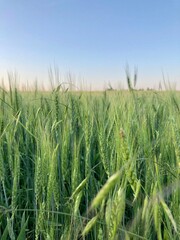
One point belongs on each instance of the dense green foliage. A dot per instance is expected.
(89, 165)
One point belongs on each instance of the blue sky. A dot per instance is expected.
(94, 40)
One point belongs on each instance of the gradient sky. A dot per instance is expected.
(94, 40)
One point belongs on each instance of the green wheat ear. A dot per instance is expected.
(102, 194)
(114, 213)
(90, 225)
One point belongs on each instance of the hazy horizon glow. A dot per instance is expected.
(92, 40)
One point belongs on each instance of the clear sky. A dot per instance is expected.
(94, 40)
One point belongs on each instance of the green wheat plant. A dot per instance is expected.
(89, 165)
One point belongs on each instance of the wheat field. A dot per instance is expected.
(89, 165)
